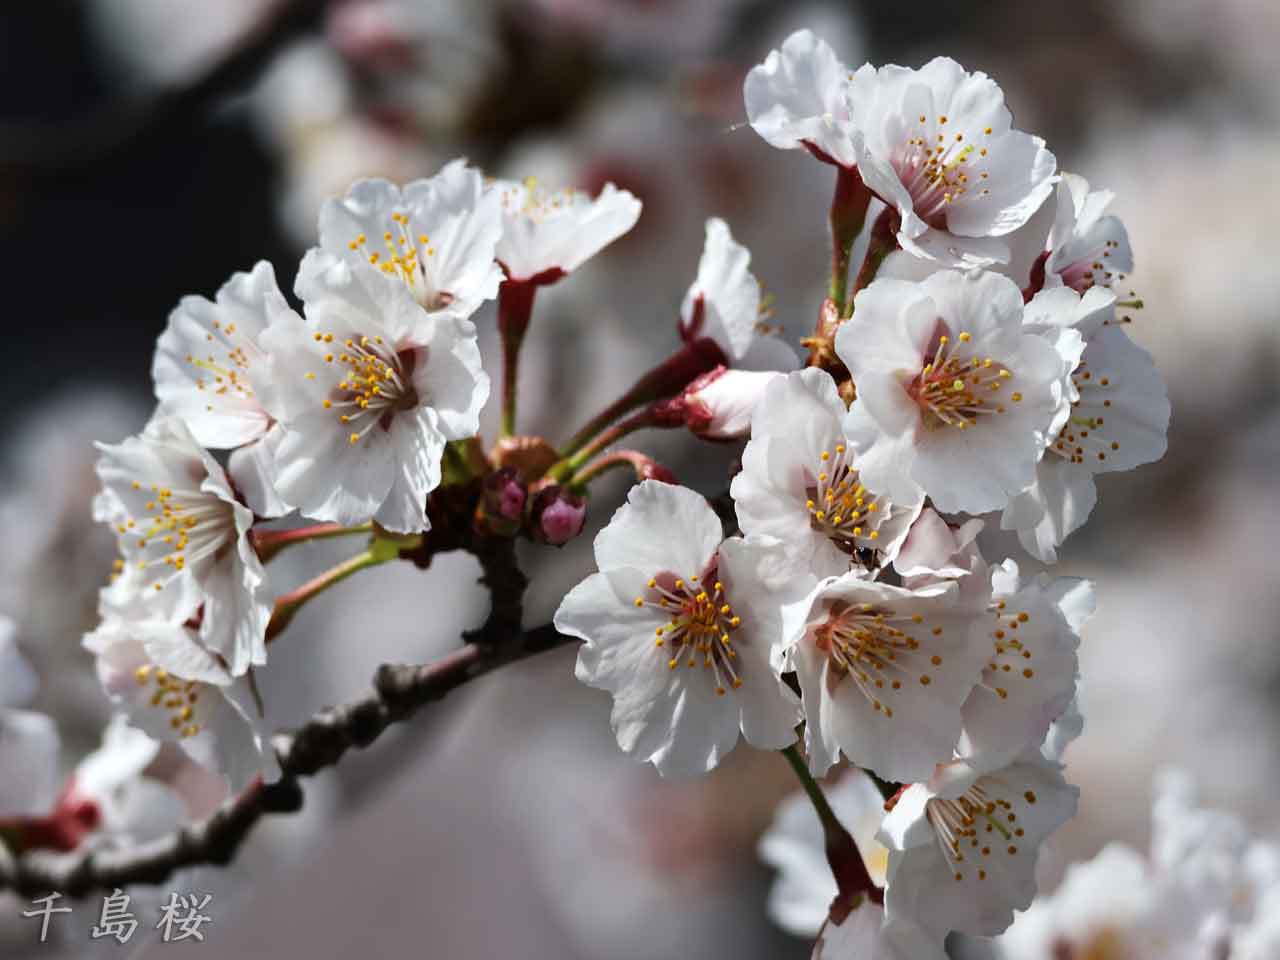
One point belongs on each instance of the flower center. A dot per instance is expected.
(225, 377)
(701, 620)
(1011, 655)
(177, 698)
(178, 528)
(1083, 437)
(406, 257)
(876, 648)
(955, 387)
(977, 824)
(376, 383)
(1089, 268)
(840, 507)
(935, 166)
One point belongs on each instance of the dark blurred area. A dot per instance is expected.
(149, 148)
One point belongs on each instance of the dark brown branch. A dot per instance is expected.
(399, 692)
(33, 153)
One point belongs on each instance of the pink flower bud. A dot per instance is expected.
(557, 516)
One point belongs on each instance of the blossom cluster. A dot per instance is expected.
(340, 412)
(974, 365)
(978, 367)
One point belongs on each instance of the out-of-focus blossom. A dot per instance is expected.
(657, 30)
(178, 525)
(369, 390)
(883, 672)
(679, 628)
(800, 482)
(1204, 891)
(955, 398)
(802, 895)
(794, 845)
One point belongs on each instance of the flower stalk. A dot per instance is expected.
(667, 379)
(848, 213)
(515, 307)
(269, 543)
(382, 549)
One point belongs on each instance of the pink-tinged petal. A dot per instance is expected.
(661, 528)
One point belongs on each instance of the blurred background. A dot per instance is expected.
(149, 148)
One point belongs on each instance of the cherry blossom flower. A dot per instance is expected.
(178, 525)
(369, 390)
(801, 482)
(1086, 247)
(723, 304)
(936, 144)
(955, 398)
(868, 934)
(883, 672)
(210, 371)
(154, 666)
(549, 234)
(1030, 678)
(437, 236)
(678, 627)
(1118, 419)
(963, 845)
(797, 99)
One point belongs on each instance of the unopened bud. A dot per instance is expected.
(503, 500)
(718, 404)
(557, 515)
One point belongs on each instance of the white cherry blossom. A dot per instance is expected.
(1030, 678)
(154, 666)
(963, 845)
(937, 145)
(210, 371)
(723, 305)
(549, 234)
(679, 628)
(180, 528)
(955, 398)
(883, 672)
(1118, 418)
(1086, 246)
(800, 482)
(437, 235)
(797, 99)
(369, 389)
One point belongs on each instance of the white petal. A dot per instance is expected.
(661, 528)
